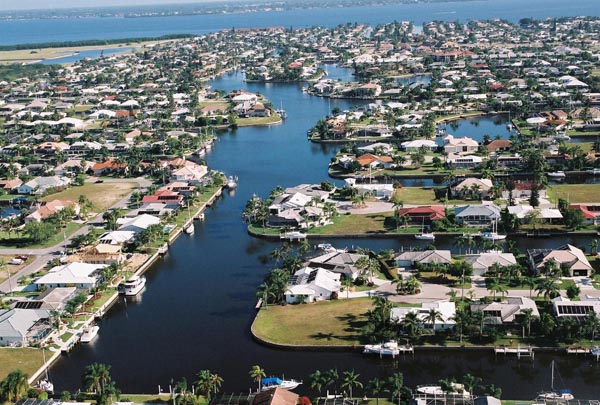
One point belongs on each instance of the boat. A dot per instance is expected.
(562, 136)
(293, 235)
(493, 235)
(132, 286)
(189, 229)
(425, 236)
(595, 351)
(89, 333)
(593, 171)
(276, 382)
(459, 391)
(231, 182)
(559, 174)
(282, 113)
(384, 349)
(553, 394)
(46, 386)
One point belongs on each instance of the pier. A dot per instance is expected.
(518, 351)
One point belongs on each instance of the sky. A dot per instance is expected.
(50, 4)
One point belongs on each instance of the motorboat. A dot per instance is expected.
(562, 136)
(89, 333)
(46, 385)
(231, 182)
(425, 236)
(276, 382)
(384, 349)
(553, 394)
(593, 171)
(132, 286)
(282, 113)
(189, 229)
(595, 351)
(559, 174)
(458, 391)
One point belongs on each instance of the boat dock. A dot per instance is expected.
(594, 351)
(519, 351)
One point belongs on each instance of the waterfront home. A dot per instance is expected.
(546, 215)
(338, 262)
(417, 144)
(477, 215)
(591, 212)
(41, 185)
(77, 274)
(482, 262)
(138, 223)
(376, 148)
(499, 145)
(23, 327)
(423, 215)
(374, 161)
(310, 190)
(505, 311)
(566, 257)
(191, 173)
(446, 309)
(465, 162)
(382, 191)
(117, 237)
(410, 259)
(564, 307)
(522, 190)
(472, 187)
(43, 210)
(72, 167)
(309, 285)
(459, 145)
(102, 254)
(273, 396)
(51, 299)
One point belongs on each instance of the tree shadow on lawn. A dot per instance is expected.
(355, 323)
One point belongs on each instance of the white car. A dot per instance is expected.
(16, 261)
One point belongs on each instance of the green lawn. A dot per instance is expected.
(575, 193)
(12, 241)
(66, 336)
(273, 119)
(104, 297)
(332, 323)
(27, 359)
(154, 399)
(354, 224)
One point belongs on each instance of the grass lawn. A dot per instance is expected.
(153, 399)
(26, 359)
(104, 297)
(102, 195)
(13, 241)
(575, 193)
(354, 224)
(273, 119)
(425, 196)
(331, 323)
(66, 336)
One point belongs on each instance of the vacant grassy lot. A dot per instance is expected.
(102, 195)
(355, 224)
(15, 241)
(273, 119)
(26, 359)
(575, 193)
(332, 323)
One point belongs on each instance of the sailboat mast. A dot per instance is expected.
(552, 377)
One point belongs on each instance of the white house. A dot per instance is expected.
(137, 224)
(506, 311)
(446, 309)
(413, 146)
(22, 327)
(338, 262)
(564, 307)
(312, 285)
(409, 259)
(40, 185)
(459, 145)
(80, 275)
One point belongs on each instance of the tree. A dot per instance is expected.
(375, 388)
(548, 286)
(257, 373)
(525, 318)
(14, 386)
(394, 386)
(316, 381)
(470, 382)
(411, 324)
(432, 316)
(207, 383)
(573, 291)
(592, 324)
(97, 379)
(351, 380)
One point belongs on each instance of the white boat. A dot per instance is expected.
(46, 385)
(493, 236)
(559, 174)
(275, 382)
(553, 394)
(89, 333)
(231, 182)
(282, 113)
(425, 236)
(562, 136)
(132, 286)
(593, 171)
(293, 235)
(189, 229)
(595, 351)
(384, 349)
(437, 391)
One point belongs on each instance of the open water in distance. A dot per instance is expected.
(196, 310)
(36, 31)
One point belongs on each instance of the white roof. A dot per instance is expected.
(72, 273)
(138, 223)
(447, 310)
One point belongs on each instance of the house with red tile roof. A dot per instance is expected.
(423, 214)
(108, 166)
(368, 159)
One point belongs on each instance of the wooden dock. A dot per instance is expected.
(518, 351)
(594, 351)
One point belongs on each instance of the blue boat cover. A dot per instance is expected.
(271, 381)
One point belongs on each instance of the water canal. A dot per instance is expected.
(199, 300)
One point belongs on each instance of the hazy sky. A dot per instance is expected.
(49, 4)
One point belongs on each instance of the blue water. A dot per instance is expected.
(35, 31)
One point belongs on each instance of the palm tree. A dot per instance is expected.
(592, 324)
(351, 380)
(257, 373)
(330, 377)
(395, 384)
(548, 287)
(375, 387)
(411, 323)
(216, 381)
(496, 287)
(432, 316)
(203, 383)
(462, 320)
(594, 247)
(530, 281)
(14, 386)
(347, 283)
(96, 377)
(317, 380)
(470, 382)
(525, 318)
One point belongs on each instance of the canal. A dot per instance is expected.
(196, 310)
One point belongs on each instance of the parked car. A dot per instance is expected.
(16, 261)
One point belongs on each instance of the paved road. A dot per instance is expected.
(44, 255)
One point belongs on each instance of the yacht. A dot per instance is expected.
(562, 136)
(493, 236)
(593, 171)
(459, 391)
(46, 385)
(275, 382)
(384, 349)
(231, 182)
(553, 394)
(89, 333)
(282, 113)
(559, 174)
(190, 228)
(132, 286)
